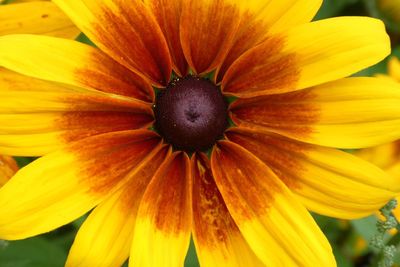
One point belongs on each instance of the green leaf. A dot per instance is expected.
(366, 227)
(380, 67)
(33, 252)
(332, 8)
(191, 257)
(341, 259)
(84, 39)
(396, 51)
(23, 161)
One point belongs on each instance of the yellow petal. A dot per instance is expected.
(263, 18)
(216, 236)
(163, 224)
(64, 185)
(168, 14)
(290, 13)
(42, 133)
(308, 55)
(328, 181)
(384, 156)
(277, 227)
(127, 31)
(348, 113)
(207, 31)
(37, 117)
(70, 62)
(36, 17)
(8, 167)
(105, 237)
(26, 1)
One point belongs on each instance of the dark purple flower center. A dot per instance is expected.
(191, 114)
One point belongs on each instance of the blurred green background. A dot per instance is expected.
(349, 239)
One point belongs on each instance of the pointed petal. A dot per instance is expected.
(42, 133)
(37, 117)
(279, 229)
(127, 31)
(290, 13)
(64, 185)
(36, 17)
(105, 237)
(262, 19)
(308, 55)
(8, 167)
(13, 81)
(348, 113)
(328, 181)
(207, 31)
(71, 63)
(163, 224)
(168, 14)
(215, 234)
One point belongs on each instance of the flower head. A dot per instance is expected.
(276, 102)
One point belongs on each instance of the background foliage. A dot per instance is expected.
(349, 239)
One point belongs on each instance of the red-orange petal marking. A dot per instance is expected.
(235, 170)
(273, 150)
(52, 118)
(207, 32)
(127, 31)
(138, 182)
(216, 236)
(72, 63)
(251, 32)
(264, 18)
(8, 167)
(90, 169)
(95, 235)
(321, 177)
(280, 231)
(113, 156)
(79, 125)
(262, 70)
(164, 218)
(168, 15)
(107, 75)
(288, 112)
(168, 193)
(101, 114)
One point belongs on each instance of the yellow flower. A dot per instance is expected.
(90, 113)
